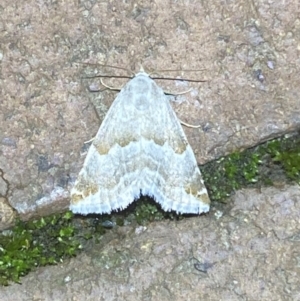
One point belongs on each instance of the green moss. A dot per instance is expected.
(230, 173)
(147, 211)
(286, 153)
(36, 243)
(276, 160)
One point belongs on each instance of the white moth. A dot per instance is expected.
(140, 149)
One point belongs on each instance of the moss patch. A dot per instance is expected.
(275, 161)
(36, 243)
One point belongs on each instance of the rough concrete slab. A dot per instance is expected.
(252, 252)
(249, 51)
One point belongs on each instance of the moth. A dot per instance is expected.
(140, 149)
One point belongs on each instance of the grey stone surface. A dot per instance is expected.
(248, 51)
(251, 252)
